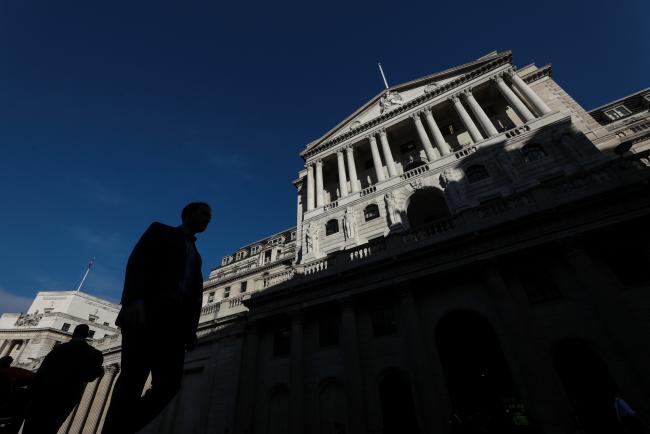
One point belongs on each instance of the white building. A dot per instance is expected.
(49, 321)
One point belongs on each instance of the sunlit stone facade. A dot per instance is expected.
(472, 242)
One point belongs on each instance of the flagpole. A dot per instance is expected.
(382, 74)
(90, 264)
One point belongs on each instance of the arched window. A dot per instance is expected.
(371, 212)
(533, 152)
(476, 173)
(331, 227)
(425, 206)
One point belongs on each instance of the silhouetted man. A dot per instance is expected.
(161, 305)
(60, 381)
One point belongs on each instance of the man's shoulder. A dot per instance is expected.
(160, 227)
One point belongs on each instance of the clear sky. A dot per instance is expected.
(115, 114)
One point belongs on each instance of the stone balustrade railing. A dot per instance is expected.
(276, 278)
(332, 205)
(415, 172)
(368, 190)
(469, 150)
(315, 267)
(210, 309)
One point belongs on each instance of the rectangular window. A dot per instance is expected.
(617, 112)
(267, 256)
(281, 342)
(383, 321)
(106, 324)
(407, 147)
(211, 297)
(91, 334)
(244, 285)
(328, 331)
(66, 327)
(48, 310)
(226, 292)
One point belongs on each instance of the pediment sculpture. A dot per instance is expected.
(390, 100)
(29, 320)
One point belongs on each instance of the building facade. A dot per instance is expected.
(49, 321)
(469, 246)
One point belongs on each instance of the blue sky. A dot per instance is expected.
(115, 114)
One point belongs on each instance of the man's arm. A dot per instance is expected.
(140, 267)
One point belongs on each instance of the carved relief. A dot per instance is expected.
(389, 101)
(312, 238)
(350, 224)
(29, 320)
(393, 213)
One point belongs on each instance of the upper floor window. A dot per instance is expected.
(383, 321)
(281, 341)
(476, 173)
(255, 249)
(66, 327)
(91, 334)
(211, 297)
(371, 212)
(48, 310)
(331, 227)
(533, 152)
(407, 147)
(226, 292)
(617, 112)
(293, 235)
(226, 260)
(244, 285)
(328, 331)
(267, 256)
(241, 254)
(106, 324)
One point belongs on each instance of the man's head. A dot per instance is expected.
(196, 216)
(6, 361)
(81, 332)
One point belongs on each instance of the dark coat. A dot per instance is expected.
(154, 274)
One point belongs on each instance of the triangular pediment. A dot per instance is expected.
(395, 96)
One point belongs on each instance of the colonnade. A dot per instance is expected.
(433, 149)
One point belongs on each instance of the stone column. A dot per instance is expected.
(513, 100)
(244, 422)
(343, 182)
(352, 169)
(388, 156)
(22, 350)
(427, 392)
(319, 184)
(483, 119)
(438, 139)
(296, 380)
(422, 134)
(529, 93)
(101, 398)
(83, 408)
(467, 120)
(310, 187)
(353, 372)
(6, 343)
(376, 159)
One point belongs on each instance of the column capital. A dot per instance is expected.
(467, 91)
(453, 98)
(371, 136)
(427, 109)
(349, 148)
(497, 77)
(340, 151)
(382, 132)
(416, 116)
(319, 162)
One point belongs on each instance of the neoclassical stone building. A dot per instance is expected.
(470, 245)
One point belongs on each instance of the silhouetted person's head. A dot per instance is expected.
(196, 216)
(80, 332)
(6, 361)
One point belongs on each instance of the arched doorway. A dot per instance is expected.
(482, 391)
(397, 407)
(333, 409)
(277, 421)
(588, 385)
(426, 205)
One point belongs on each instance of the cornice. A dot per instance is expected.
(409, 105)
(544, 71)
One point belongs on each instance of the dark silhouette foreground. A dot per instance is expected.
(60, 381)
(161, 305)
